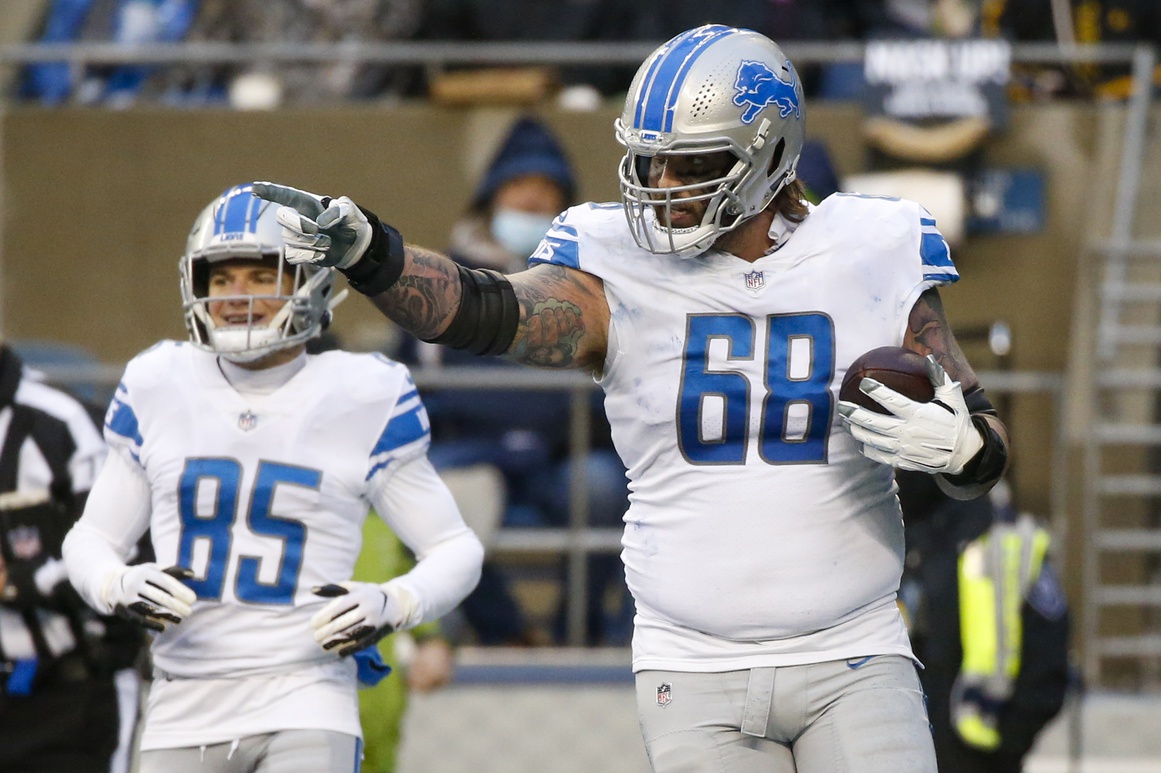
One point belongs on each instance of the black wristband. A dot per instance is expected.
(382, 264)
(984, 469)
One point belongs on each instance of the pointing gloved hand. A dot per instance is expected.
(938, 436)
(358, 615)
(318, 229)
(151, 596)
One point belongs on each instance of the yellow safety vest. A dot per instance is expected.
(996, 571)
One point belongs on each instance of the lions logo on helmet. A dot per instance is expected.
(757, 87)
(240, 226)
(684, 99)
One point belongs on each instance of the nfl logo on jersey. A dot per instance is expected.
(247, 421)
(755, 280)
(664, 694)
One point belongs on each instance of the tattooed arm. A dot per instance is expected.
(548, 316)
(426, 295)
(564, 317)
(928, 332)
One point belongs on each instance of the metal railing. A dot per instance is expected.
(441, 54)
(578, 539)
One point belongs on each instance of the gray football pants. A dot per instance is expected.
(287, 751)
(855, 716)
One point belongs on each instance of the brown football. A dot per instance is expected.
(893, 366)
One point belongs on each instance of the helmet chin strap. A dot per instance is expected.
(709, 230)
(780, 231)
(247, 345)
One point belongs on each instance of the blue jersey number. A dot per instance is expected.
(796, 411)
(214, 528)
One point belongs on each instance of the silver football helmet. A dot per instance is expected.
(710, 89)
(240, 226)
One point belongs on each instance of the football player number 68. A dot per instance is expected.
(714, 405)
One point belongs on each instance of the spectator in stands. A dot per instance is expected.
(919, 18)
(988, 698)
(294, 21)
(527, 184)
(129, 22)
(538, 20)
(1091, 21)
(59, 707)
(784, 20)
(523, 433)
(613, 21)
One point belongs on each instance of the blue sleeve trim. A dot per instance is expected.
(402, 430)
(559, 247)
(122, 421)
(933, 250)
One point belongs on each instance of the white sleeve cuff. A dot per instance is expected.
(418, 507)
(405, 606)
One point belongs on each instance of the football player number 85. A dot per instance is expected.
(214, 527)
(714, 410)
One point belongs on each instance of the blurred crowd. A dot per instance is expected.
(268, 84)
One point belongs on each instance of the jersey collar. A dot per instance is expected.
(782, 229)
(260, 382)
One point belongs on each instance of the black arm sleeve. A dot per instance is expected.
(486, 320)
(382, 265)
(488, 315)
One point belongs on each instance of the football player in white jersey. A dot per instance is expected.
(719, 311)
(253, 465)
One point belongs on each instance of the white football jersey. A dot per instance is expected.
(262, 496)
(757, 534)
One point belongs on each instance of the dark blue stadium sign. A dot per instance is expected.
(1008, 201)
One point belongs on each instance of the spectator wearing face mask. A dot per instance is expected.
(522, 433)
(528, 183)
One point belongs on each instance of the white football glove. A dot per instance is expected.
(150, 595)
(358, 615)
(317, 229)
(925, 437)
